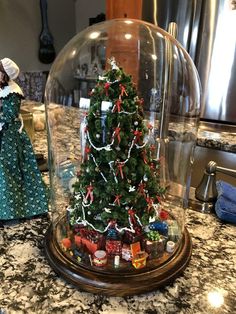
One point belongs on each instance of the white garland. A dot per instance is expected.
(113, 171)
(94, 160)
(85, 222)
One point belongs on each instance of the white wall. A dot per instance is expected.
(20, 26)
(85, 9)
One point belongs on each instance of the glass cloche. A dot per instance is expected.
(122, 104)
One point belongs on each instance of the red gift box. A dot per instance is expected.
(113, 247)
(92, 240)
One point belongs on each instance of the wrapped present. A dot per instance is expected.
(113, 247)
(139, 260)
(91, 245)
(126, 252)
(100, 258)
(77, 240)
(135, 248)
(151, 248)
(90, 239)
(160, 226)
(66, 244)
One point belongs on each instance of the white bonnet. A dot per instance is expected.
(11, 68)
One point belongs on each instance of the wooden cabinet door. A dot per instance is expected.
(123, 8)
(120, 49)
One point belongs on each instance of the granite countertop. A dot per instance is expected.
(29, 285)
(217, 139)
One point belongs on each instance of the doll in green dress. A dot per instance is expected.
(22, 191)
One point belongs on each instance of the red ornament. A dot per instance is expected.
(87, 150)
(163, 215)
(131, 212)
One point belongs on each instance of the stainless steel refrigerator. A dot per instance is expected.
(207, 30)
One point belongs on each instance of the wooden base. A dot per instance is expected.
(113, 283)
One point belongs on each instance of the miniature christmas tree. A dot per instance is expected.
(118, 185)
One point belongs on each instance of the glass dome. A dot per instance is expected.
(122, 103)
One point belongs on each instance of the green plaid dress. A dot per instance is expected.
(22, 191)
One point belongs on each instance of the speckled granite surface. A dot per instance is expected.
(29, 285)
(225, 141)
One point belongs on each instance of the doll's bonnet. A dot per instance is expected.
(10, 67)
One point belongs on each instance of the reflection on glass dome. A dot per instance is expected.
(122, 104)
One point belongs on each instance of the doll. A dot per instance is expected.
(23, 193)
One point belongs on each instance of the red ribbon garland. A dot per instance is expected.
(117, 199)
(117, 106)
(137, 135)
(89, 192)
(107, 86)
(117, 134)
(144, 156)
(133, 221)
(150, 202)
(120, 166)
(123, 90)
(141, 188)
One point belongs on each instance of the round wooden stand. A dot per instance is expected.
(114, 283)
